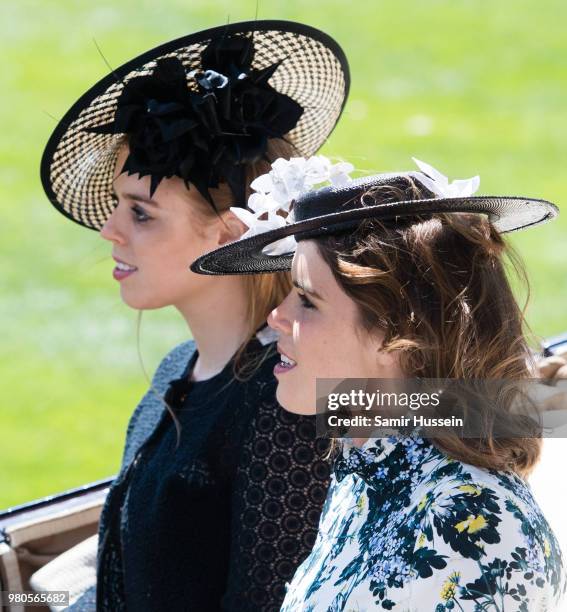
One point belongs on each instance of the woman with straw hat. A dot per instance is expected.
(220, 490)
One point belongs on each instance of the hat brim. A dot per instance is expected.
(507, 214)
(77, 167)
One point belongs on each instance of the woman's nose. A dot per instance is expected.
(110, 230)
(278, 320)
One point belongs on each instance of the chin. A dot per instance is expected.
(138, 302)
(293, 404)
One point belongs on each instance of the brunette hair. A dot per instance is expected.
(436, 286)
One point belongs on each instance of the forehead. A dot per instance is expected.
(309, 267)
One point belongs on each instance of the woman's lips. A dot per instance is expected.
(120, 274)
(122, 269)
(279, 368)
(285, 365)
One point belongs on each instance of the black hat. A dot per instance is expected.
(201, 107)
(335, 209)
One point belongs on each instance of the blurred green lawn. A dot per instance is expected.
(470, 86)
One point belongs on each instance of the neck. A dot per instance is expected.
(218, 320)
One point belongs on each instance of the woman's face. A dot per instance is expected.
(320, 333)
(155, 240)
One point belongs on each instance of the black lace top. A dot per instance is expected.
(221, 520)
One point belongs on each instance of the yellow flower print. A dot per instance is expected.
(546, 548)
(360, 503)
(470, 489)
(472, 524)
(460, 527)
(421, 540)
(449, 588)
(477, 524)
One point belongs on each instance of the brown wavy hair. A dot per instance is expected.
(436, 286)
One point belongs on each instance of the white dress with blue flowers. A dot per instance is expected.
(406, 528)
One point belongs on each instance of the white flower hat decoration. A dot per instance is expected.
(305, 198)
(278, 189)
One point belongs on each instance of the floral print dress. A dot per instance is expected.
(406, 528)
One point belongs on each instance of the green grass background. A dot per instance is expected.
(471, 86)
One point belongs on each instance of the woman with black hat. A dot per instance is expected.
(400, 276)
(220, 490)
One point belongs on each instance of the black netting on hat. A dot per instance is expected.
(78, 165)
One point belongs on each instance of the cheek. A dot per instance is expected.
(165, 252)
(332, 349)
(164, 261)
(314, 342)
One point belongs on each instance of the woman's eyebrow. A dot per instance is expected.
(305, 290)
(138, 197)
(141, 198)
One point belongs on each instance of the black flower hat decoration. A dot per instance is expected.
(202, 107)
(225, 116)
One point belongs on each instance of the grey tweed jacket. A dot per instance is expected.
(142, 423)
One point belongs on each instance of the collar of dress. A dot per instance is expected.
(386, 463)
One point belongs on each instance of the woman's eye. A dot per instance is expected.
(140, 215)
(305, 301)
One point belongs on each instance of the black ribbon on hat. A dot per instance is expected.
(204, 126)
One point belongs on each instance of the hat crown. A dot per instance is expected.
(350, 196)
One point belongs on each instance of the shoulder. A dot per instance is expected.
(173, 364)
(491, 533)
(478, 507)
(148, 412)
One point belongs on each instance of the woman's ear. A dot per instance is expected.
(230, 228)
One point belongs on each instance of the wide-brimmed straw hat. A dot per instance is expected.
(338, 208)
(201, 107)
